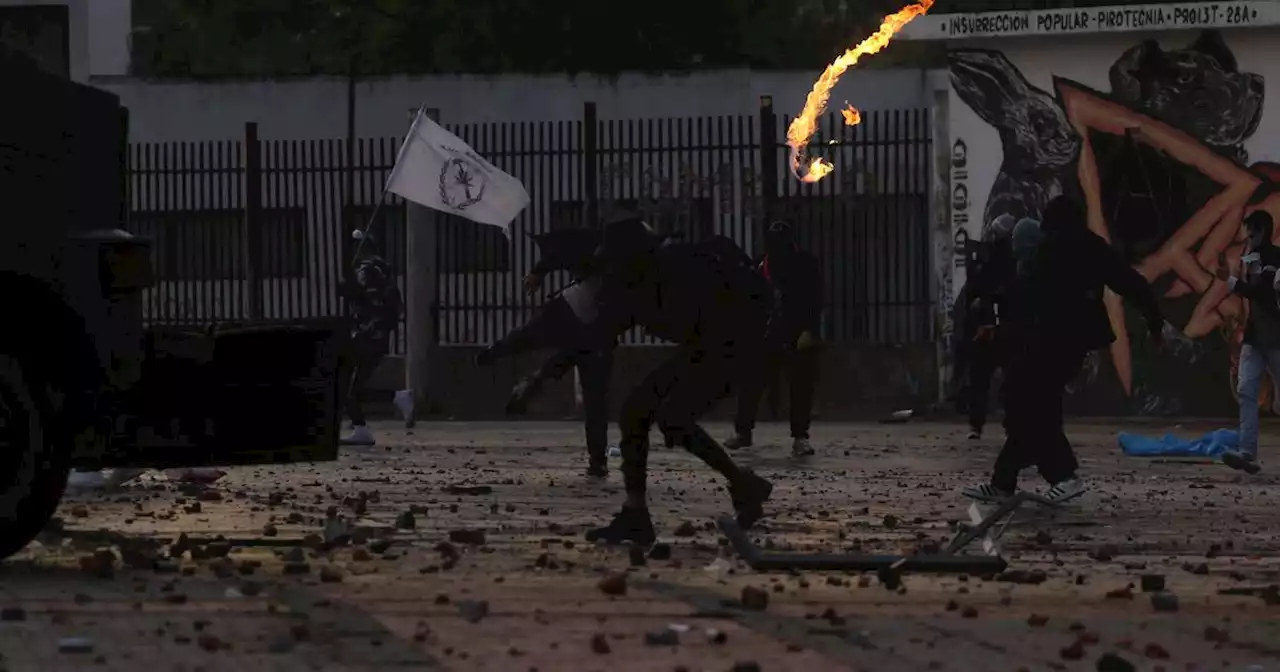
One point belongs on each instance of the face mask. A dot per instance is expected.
(1256, 239)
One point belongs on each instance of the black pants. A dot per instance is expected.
(802, 376)
(362, 360)
(594, 371)
(1034, 381)
(983, 361)
(675, 395)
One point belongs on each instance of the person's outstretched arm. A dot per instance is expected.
(1127, 282)
(614, 317)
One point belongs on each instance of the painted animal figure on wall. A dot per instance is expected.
(1039, 147)
(1162, 161)
(1199, 89)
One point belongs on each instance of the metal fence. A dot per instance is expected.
(254, 229)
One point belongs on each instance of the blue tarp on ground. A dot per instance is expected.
(1213, 444)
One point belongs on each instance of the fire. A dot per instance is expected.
(852, 117)
(806, 124)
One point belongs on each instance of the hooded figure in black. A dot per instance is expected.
(790, 339)
(1051, 317)
(990, 272)
(1256, 280)
(707, 299)
(375, 307)
(567, 250)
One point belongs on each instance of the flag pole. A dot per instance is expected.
(363, 233)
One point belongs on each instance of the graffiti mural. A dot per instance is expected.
(1160, 147)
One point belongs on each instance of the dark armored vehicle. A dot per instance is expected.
(82, 382)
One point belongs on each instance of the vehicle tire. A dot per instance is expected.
(33, 466)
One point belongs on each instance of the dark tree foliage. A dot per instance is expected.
(968, 6)
(256, 38)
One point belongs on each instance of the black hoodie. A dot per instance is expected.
(1257, 283)
(1061, 295)
(797, 287)
(991, 269)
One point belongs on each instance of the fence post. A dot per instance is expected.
(591, 202)
(421, 300)
(768, 170)
(252, 226)
(590, 165)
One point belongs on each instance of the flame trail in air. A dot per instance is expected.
(806, 124)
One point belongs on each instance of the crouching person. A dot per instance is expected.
(711, 303)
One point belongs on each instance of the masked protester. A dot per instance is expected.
(1255, 279)
(991, 271)
(706, 298)
(973, 298)
(790, 339)
(1051, 317)
(375, 306)
(558, 323)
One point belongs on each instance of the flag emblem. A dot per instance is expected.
(462, 183)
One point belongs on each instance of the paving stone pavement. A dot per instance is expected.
(459, 546)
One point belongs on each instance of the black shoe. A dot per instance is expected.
(749, 497)
(738, 441)
(1241, 462)
(629, 525)
(598, 470)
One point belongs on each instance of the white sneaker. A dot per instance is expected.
(1066, 491)
(359, 436)
(801, 448)
(975, 433)
(403, 401)
(613, 452)
(986, 493)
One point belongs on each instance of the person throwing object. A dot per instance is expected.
(1051, 317)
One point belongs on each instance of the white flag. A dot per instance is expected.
(436, 169)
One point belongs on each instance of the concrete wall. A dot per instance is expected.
(1029, 117)
(317, 108)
